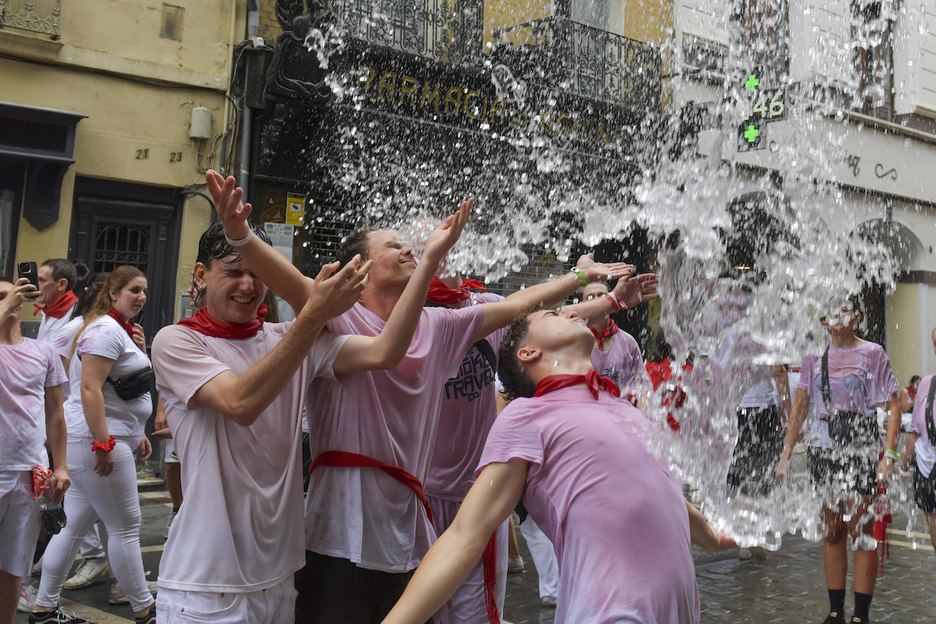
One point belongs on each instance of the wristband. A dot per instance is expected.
(614, 302)
(892, 453)
(241, 241)
(104, 446)
(581, 275)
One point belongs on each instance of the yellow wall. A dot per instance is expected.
(120, 40)
(903, 348)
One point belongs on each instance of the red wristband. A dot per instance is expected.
(104, 446)
(614, 302)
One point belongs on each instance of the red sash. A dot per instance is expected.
(489, 565)
(610, 330)
(353, 460)
(61, 307)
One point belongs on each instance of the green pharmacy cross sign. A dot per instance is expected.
(764, 106)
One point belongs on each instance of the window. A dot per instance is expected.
(873, 60)
(761, 28)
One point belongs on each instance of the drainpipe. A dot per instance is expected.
(253, 28)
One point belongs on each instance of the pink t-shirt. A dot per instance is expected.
(241, 527)
(362, 514)
(26, 370)
(615, 514)
(468, 411)
(622, 363)
(859, 378)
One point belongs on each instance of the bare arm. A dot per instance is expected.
(782, 378)
(906, 403)
(57, 438)
(893, 430)
(909, 449)
(387, 350)
(448, 563)
(243, 399)
(703, 535)
(794, 424)
(94, 372)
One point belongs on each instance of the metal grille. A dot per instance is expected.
(117, 245)
(37, 16)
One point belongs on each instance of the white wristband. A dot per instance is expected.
(240, 242)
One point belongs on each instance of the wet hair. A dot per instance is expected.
(89, 294)
(213, 246)
(354, 244)
(512, 373)
(103, 304)
(914, 379)
(62, 269)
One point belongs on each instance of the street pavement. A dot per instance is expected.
(789, 587)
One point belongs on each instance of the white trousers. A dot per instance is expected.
(115, 501)
(19, 522)
(467, 604)
(274, 605)
(544, 558)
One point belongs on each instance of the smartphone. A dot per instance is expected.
(30, 271)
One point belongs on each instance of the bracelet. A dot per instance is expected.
(614, 302)
(581, 275)
(241, 241)
(104, 446)
(892, 453)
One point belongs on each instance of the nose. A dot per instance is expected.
(571, 314)
(247, 283)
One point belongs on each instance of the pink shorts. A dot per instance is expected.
(19, 522)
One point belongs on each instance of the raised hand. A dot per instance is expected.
(139, 338)
(444, 237)
(635, 290)
(22, 292)
(231, 210)
(332, 294)
(600, 271)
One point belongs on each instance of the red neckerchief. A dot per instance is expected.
(911, 392)
(610, 330)
(114, 314)
(204, 324)
(440, 294)
(61, 307)
(593, 380)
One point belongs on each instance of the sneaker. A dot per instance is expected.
(515, 565)
(37, 569)
(744, 554)
(149, 618)
(857, 620)
(834, 618)
(88, 571)
(27, 599)
(169, 523)
(56, 616)
(117, 595)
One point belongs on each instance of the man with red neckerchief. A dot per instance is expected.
(575, 454)
(234, 388)
(57, 278)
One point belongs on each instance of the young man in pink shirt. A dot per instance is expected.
(31, 378)
(368, 521)
(575, 453)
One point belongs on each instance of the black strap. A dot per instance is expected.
(826, 388)
(930, 425)
(488, 352)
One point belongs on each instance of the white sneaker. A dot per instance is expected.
(744, 554)
(117, 595)
(88, 571)
(27, 599)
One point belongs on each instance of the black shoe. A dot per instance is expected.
(56, 616)
(857, 620)
(834, 618)
(149, 618)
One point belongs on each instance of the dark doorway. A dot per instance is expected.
(116, 223)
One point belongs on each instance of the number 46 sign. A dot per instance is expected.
(765, 105)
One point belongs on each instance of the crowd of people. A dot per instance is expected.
(431, 413)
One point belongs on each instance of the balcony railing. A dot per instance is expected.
(591, 62)
(36, 16)
(446, 30)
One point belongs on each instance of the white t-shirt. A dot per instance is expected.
(49, 326)
(621, 363)
(106, 338)
(62, 343)
(26, 370)
(241, 527)
(362, 514)
(925, 454)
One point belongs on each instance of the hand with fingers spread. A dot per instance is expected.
(600, 271)
(228, 198)
(444, 237)
(637, 289)
(334, 293)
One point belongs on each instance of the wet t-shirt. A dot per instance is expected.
(362, 514)
(925, 454)
(26, 370)
(615, 514)
(467, 413)
(621, 363)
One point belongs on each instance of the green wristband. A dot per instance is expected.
(892, 453)
(581, 275)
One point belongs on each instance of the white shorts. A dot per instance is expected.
(171, 457)
(19, 522)
(275, 605)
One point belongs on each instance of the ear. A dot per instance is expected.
(63, 284)
(198, 274)
(529, 354)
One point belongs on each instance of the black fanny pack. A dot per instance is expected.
(134, 385)
(845, 428)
